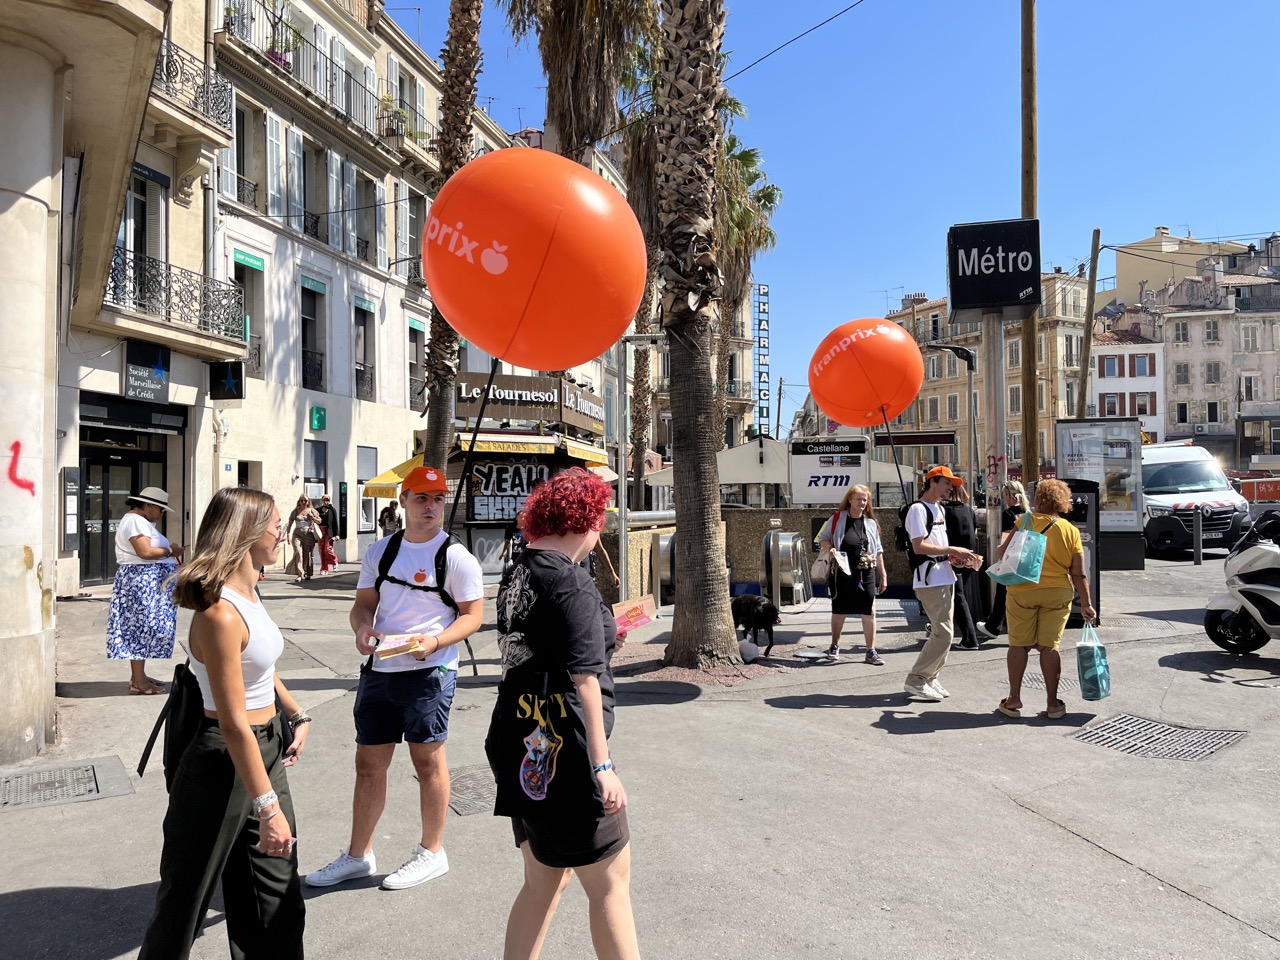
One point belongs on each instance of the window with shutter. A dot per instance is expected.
(334, 199)
(227, 158)
(393, 77)
(370, 94)
(349, 206)
(339, 98)
(402, 228)
(420, 105)
(380, 222)
(320, 76)
(156, 201)
(275, 169)
(294, 142)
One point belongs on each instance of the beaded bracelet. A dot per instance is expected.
(261, 803)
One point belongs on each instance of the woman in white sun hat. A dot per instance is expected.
(143, 618)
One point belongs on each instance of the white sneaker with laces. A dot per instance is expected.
(419, 868)
(346, 867)
(983, 632)
(924, 692)
(938, 688)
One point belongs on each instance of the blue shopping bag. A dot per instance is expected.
(1091, 659)
(1023, 557)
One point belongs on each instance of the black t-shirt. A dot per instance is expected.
(1009, 518)
(329, 517)
(552, 619)
(961, 525)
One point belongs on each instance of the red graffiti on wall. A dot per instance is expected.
(16, 449)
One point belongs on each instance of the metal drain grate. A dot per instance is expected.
(87, 780)
(1152, 740)
(1034, 681)
(472, 790)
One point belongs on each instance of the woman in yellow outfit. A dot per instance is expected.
(1037, 612)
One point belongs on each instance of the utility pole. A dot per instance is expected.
(777, 412)
(1030, 368)
(1082, 401)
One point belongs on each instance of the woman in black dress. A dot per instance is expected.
(1015, 505)
(853, 531)
(962, 531)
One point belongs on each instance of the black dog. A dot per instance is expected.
(754, 613)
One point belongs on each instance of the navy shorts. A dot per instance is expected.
(412, 705)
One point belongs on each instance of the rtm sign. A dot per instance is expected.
(822, 470)
(993, 264)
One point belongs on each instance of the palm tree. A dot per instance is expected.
(461, 58)
(688, 129)
(745, 206)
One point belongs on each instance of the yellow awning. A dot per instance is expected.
(584, 451)
(500, 443)
(387, 483)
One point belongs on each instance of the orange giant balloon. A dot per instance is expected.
(865, 371)
(534, 258)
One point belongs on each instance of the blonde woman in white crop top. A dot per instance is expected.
(230, 812)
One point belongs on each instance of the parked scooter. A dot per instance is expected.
(1247, 616)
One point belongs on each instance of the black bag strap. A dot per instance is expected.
(155, 731)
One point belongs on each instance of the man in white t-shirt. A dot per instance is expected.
(408, 696)
(933, 580)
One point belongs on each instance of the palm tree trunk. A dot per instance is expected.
(641, 390)
(723, 351)
(688, 129)
(461, 58)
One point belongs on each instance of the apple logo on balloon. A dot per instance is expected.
(494, 260)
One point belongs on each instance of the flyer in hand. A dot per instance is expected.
(635, 613)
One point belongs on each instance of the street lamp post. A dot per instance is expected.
(970, 361)
(650, 338)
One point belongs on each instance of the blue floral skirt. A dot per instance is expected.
(144, 618)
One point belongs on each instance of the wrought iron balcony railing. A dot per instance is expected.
(417, 393)
(246, 192)
(311, 224)
(738, 390)
(399, 118)
(275, 37)
(171, 294)
(364, 382)
(190, 81)
(664, 385)
(362, 249)
(312, 370)
(414, 272)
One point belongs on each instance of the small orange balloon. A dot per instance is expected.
(534, 258)
(865, 371)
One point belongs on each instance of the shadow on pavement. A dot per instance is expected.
(635, 693)
(852, 701)
(92, 689)
(938, 721)
(1194, 616)
(363, 883)
(1213, 663)
(89, 924)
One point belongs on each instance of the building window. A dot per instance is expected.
(1182, 374)
(1015, 400)
(935, 326)
(417, 364)
(1015, 446)
(1075, 303)
(315, 465)
(1141, 404)
(1039, 348)
(1211, 331)
(1072, 395)
(1044, 448)
(1111, 405)
(1142, 365)
(1014, 349)
(931, 367)
(1063, 302)
(1249, 338)
(953, 407)
(364, 355)
(1040, 395)
(1109, 367)
(366, 470)
(1181, 332)
(1213, 411)
(933, 409)
(952, 367)
(312, 340)
(1182, 412)
(1213, 372)
(1251, 387)
(1069, 351)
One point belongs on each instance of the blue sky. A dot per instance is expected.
(901, 118)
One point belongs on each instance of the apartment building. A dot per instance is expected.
(72, 76)
(1128, 378)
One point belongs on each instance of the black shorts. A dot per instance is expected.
(580, 843)
(412, 705)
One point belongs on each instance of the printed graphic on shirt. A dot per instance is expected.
(515, 599)
(538, 768)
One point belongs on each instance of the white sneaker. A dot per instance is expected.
(939, 688)
(346, 867)
(924, 692)
(983, 632)
(419, 868)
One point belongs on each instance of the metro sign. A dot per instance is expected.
(993, 264)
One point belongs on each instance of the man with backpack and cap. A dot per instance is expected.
(934, 582)
(420, 584)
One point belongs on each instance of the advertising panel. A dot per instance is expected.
(1108, 452)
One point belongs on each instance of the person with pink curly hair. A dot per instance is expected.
(548, 741)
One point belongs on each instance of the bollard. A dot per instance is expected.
(1197, 531)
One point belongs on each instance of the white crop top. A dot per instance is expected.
(258, 659)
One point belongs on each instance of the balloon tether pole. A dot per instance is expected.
(893, 449)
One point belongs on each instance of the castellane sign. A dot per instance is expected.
(993, 264)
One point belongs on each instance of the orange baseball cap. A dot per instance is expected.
(944, 472)
(424, 480)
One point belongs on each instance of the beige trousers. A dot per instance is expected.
(939, 604)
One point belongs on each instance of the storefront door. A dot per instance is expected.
(108, 481)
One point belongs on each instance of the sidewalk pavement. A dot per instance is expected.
(811, 812)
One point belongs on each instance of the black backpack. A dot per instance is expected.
(442, 566)
(903, 539)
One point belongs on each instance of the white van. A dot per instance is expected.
(1179, 480)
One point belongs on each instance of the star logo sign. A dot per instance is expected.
(158, 367)
(229, 382)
